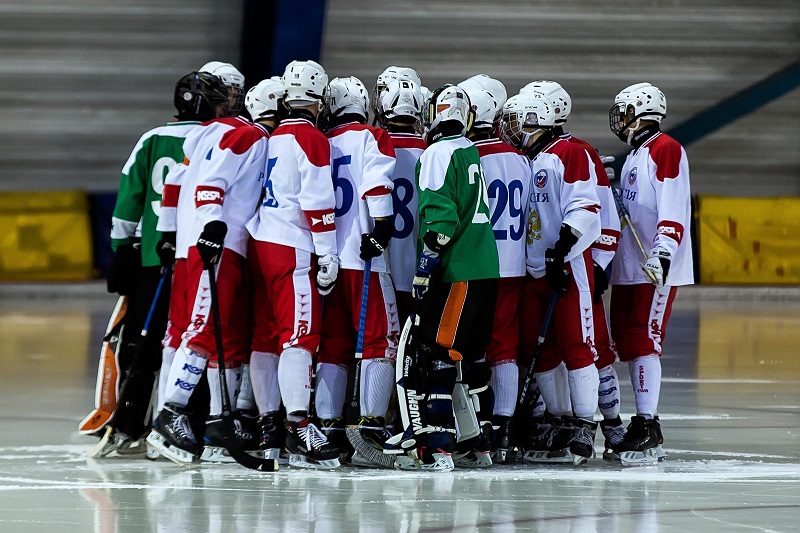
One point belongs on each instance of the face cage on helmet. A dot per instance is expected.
(511, 131)
(616, 118)
(235, 103)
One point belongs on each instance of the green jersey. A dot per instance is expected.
(141, 184)
(453, 201)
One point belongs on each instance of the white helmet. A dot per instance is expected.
(402, 98)
(262, 100)
(555, 93)
(647, 102)
(305, 82)
(523, 115)
(447, 103)
(233, 80)
(388, 75)
(487, 96)
(347, 95)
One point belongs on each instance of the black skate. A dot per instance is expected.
(308, 447)
(172, 435)
(473, 453)
(582, 443)
(368, 440)
(271, 436)
(216, 439)
(614, 432)
(662, 455)
(638, 446)
(549, 442)
(334, 431)
(435, 456)
(502, 447)
(249, 422)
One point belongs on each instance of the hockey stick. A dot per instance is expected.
(523, 393)
(369, 452)
(234, 449)
(627, 217)
(132, 379)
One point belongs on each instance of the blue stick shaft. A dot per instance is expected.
(164, 274)
(362, 316)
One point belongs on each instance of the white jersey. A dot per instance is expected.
(655, 190)
(225, 182)
(362, 163)
(564, 191)
(508, 183)
(299, 201)
(408, 147)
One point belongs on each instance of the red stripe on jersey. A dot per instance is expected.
(170, 195)
(205, 195)
(666, 154)
(670, 229)
(608, 240)
(407, 140)
(321, 220)
(495, 146)
(378, 191)
(234, 122)
(381, 137)
(592, 208)
(312, 141)
(240, 140)
(573, 157)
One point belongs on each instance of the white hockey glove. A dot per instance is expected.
(327, 273)
(657, 266)
(607, 160)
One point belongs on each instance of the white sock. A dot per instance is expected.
(553, 398)
(184, 373)
(562, 386)
(330, 390)
(608, 393)
(377, 385)
(245, 400)
(294, 378)
(583, 384)
(264, 378)
(233, 377)
(645, 375)
(167, 355)
(505, 384)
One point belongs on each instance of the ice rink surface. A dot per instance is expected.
(730, 410)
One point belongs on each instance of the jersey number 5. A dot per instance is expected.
(343, 184)
(269, 197)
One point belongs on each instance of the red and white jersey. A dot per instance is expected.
(362, 163)
(564, 191)
(168, 216)
(403, 250)
(298, 205)
(508, 182)
(181, 184)
(655, 190)
(606, 245)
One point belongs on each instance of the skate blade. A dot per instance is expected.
(131, 448)
(274, 454)
(643, 458)
(104, 447)
(478, 460)
(151, 453)
(500, 456)
(301, 461)
(443, 462)
(216, 454)
(407, 461)
(176, 455)
(578, 460)
(558, 456)
(661, 454)
(609, 455)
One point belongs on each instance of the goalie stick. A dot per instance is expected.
(234, 449)
(361, 446)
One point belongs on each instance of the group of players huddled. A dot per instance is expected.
(478, 219)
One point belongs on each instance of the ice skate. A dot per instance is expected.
(502, 440)
(662, 455)
(638, 446)
(334, 431)
(473, 453)
(216, 438)
(173, 437)
(308, 447)
(372, 432)
(548, 443)
(582, 443)
(435, 456)
(613, 431)
(271, 436)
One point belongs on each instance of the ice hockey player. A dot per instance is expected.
(135, 271)
(296, 220)
(655, 190)
(563, 222)
(399, 113)
(508, 177)
(387, 76)
(603, 251)
(363, 163)
(223, 180)
(454, 287)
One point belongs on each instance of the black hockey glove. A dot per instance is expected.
(166, 249)
(557, 276)
(209, 245)
(123, 271)
(373, 244)
(600, 284)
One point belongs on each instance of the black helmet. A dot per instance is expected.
(197, 94)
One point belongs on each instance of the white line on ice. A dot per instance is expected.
(701, 380)
(743, 455)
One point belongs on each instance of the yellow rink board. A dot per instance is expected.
(749, 240)
(46, 236)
